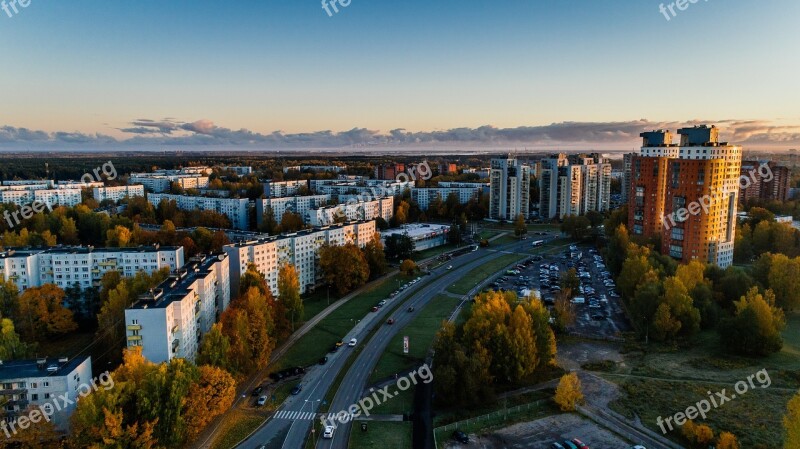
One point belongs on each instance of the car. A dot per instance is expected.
(257, 391)
(638, 446)
(594, 305)
(556, 446)
(353, 342)
(449, 267)
(579, 300)
(598, 317)
(261, 401)
(297, 389)
(390, 321)
(579, 443)
(569, 445)
(603, 298)
(323, 360)
(339, 344)
(461, 437)
(375, 309)
(410, 309)
(382, 303)
(328, 433)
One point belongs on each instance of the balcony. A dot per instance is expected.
(134, 338)
(134, 327)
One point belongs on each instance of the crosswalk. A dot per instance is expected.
(295, 416)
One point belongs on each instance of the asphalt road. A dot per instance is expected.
(293, 421)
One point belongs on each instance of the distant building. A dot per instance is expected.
(300, 205)
(627, 164)
(389, 171)
(574, 185)
(764, 181)
(169, 321)
(687, 194)
(300, 249)
(352, 211)
(238, 169)
(45, 385)
(510, 189)
(448, 168)
(117, 193)
(316, 168)
(162, 181)
(236, 209)
(424, 236)
(465, 192)
(280, 189)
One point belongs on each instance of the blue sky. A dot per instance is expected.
(226, 70)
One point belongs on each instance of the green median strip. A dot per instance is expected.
(480, 274)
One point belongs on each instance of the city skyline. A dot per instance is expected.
(99, 76)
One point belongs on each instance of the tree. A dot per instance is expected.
(633, 270)
(291, 222)
(41, 314)
(791, 423)
(401, 213)
(700, 436)
(569, 393)
(344, 267)
(269, 223)
(563, 311)
(11, 347)
(214, 348)
(756, 327)
(376, 256)
(210, 396)
(576, 226)
(665, 326)
(728, 441)
(408, 267)
(9, 298)
(523, 345)
(520, 227)
(569, 280)
(119, 237)
(681, 307)
(399, 246)
(784, 280)
(289, 292)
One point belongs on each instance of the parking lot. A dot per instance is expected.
(597, 303)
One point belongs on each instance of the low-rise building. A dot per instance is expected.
(424, 236)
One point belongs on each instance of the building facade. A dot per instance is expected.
(300, 205)
(509, 195)
(764, 181)
(574, 185)
(687, 194)
(236, 209)
(356, 210)
(117, 193)
(170, 321)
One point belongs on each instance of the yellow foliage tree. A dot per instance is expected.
(791, 423)
(569, 393)
(728, 441)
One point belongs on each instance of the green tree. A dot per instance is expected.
(289, 293)
(791, 423)
(214, 348)
(756, 326)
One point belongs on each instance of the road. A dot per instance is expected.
(292, 422)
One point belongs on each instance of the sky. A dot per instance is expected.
(284, 73)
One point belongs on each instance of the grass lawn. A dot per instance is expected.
(487, 234)
(401, 403)
(432, 252)
(315, 303)
(381, 435)
(236, 427)
(315, 344)
(478, 275)
(505, 240)
(420, 332)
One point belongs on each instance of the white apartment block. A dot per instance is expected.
(84, 266)
(47, 183)
(236, 209)
(354, 210)
(424, 196)
(316, 168)
(280, 189)
(78, 184)
(31, 384)
(300, 205)
(300, 249)
(240, 170)
(574, 185)
(171, 320)
(369, 188)
(158, 183)
(117, 193)
(27, 195)
(509, 195)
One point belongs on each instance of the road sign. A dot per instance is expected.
(405, 344)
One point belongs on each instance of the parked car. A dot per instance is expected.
(579, 443)
(579, 300)
(410, 309)
(257, 391)
(261, 401)
(297, 389)
(323, 360)
(556, 446)
(328, 433)
(449, 267)
(375, 309)
(461, 437)
(382, 303)
(390, 321)
(569, 445)
(353, 342)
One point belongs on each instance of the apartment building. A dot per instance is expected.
(280, 189)
(316, 168)
(22, 195)
(300, 249)
(160, 181)
(44, 384)
(356, 210)
(764, 181)
(240, 170)
(117, 193)
(687, 194)
(46, 183)
(170, 320)
(236, 209)
(627, 164)
(388, 172)
(509, 195)
(424, 195)
(82, 266)
(371, 188)
(300, 205)
(574, 185)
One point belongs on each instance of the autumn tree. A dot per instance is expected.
(11, 346)
(345, 267)
(520, 227)
(289, 292)
(291, 222)
(784, 280)
(376, 256)
(408, 267)
(41, 313)
(210, 396)
(214, 348)
(569, 393)
(699, 436)
(563, 311)
(9, 298)
(728, 441)
(570, 281)
(791, 423)
(119, 237)
(756, 326)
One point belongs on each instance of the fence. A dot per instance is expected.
(484, 421)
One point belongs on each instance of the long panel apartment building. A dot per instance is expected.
(463, 191)
(352, 210)
(236, 209)
(22, 195)
(170, 320)
(82, 266)
(300, 205)
(160, 180)
(117, 193)
(300, 249)
(687, 194)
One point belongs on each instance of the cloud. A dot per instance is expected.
(145, 132)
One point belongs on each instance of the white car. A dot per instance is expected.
(449, 267)
(328, 433)
(353, 342)
(579, 300)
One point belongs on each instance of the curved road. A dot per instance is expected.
(293, 421)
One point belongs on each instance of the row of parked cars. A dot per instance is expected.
(571, 444)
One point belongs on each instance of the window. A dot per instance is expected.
(677, 234)
(676, 251)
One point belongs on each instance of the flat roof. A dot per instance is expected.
(16, 369)
(176, 286)
(416, 230)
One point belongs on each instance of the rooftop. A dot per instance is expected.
(42, 367)
(26, 251)
(177, 285)
(417, 230)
